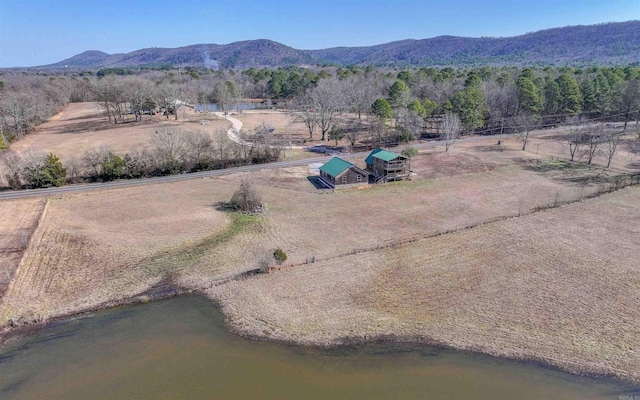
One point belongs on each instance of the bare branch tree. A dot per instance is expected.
(611, 139)
(303, 112)
(327, 101)
(524, 123)
(360, 91)
(198, 145)
(593, 138)
(170, 147)
(575, 139)
(168, 96)
(450, 128)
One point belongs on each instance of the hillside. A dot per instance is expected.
(612, 43)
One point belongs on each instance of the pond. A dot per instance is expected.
(242, 106)
(180, 348)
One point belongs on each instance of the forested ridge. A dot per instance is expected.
(611, 44)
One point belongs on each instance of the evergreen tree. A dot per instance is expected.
(603, 97)
(570, 101)
(470, 106)
(417, 107)
(529, 95)
(589, 97)
(382, 109)
(551, 96)
(55, 173)
(399, 94)
(429, 106)
(112, 167)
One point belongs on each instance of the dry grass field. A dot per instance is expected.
(506, 280)
(284, 126)
(18, 221)
(559, 286)
(102, 246)
(82, 126)
(552, 144)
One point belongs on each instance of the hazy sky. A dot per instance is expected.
(37, 32)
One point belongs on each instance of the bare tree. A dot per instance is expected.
(170, 147)
(168, 96)
(410, 123)
(225, 93)
(110, 96)
(353, 132)
(14, 165)
(610, 139)
(578, 127)
(450, 129)
(303, 112)
(198, 145)
(592, 139)
(360, 91)
(138, 92)
(246, 198)
(222, 143)
(524, 123)
(74, 169)
(327, 101)
(378, 131)
(19, 111)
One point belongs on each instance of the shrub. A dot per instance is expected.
(280, 256)
(409, 151)
(246, 199)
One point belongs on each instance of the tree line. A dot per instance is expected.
(384, 104)
(173, 151)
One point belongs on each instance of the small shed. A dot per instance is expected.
(340, 173)
(386, 166)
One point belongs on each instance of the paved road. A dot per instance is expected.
(219, 172)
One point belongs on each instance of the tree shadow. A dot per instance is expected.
(224, 206)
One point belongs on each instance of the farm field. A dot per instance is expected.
(82, 126)
(391, 243)
(553, 144)
(18, 221)
(559, 286)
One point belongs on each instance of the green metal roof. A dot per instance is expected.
(381, 154)
(335, 166)
(369, 159)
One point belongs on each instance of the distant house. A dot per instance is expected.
(340, 173)
(386, 166)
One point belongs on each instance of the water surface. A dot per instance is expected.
(179, 349)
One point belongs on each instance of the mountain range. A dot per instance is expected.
(611, 43)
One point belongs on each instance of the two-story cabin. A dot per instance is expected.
(385, 166)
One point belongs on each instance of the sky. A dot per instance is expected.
(39, 32)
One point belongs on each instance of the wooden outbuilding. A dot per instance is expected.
(385, 166)
(340, 173)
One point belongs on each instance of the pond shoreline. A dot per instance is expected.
(404, 343)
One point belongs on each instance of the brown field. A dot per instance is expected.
(284, 126)
(18, 221)
(505, 280)
(552, 144)
(82, 126)
(559, 286)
